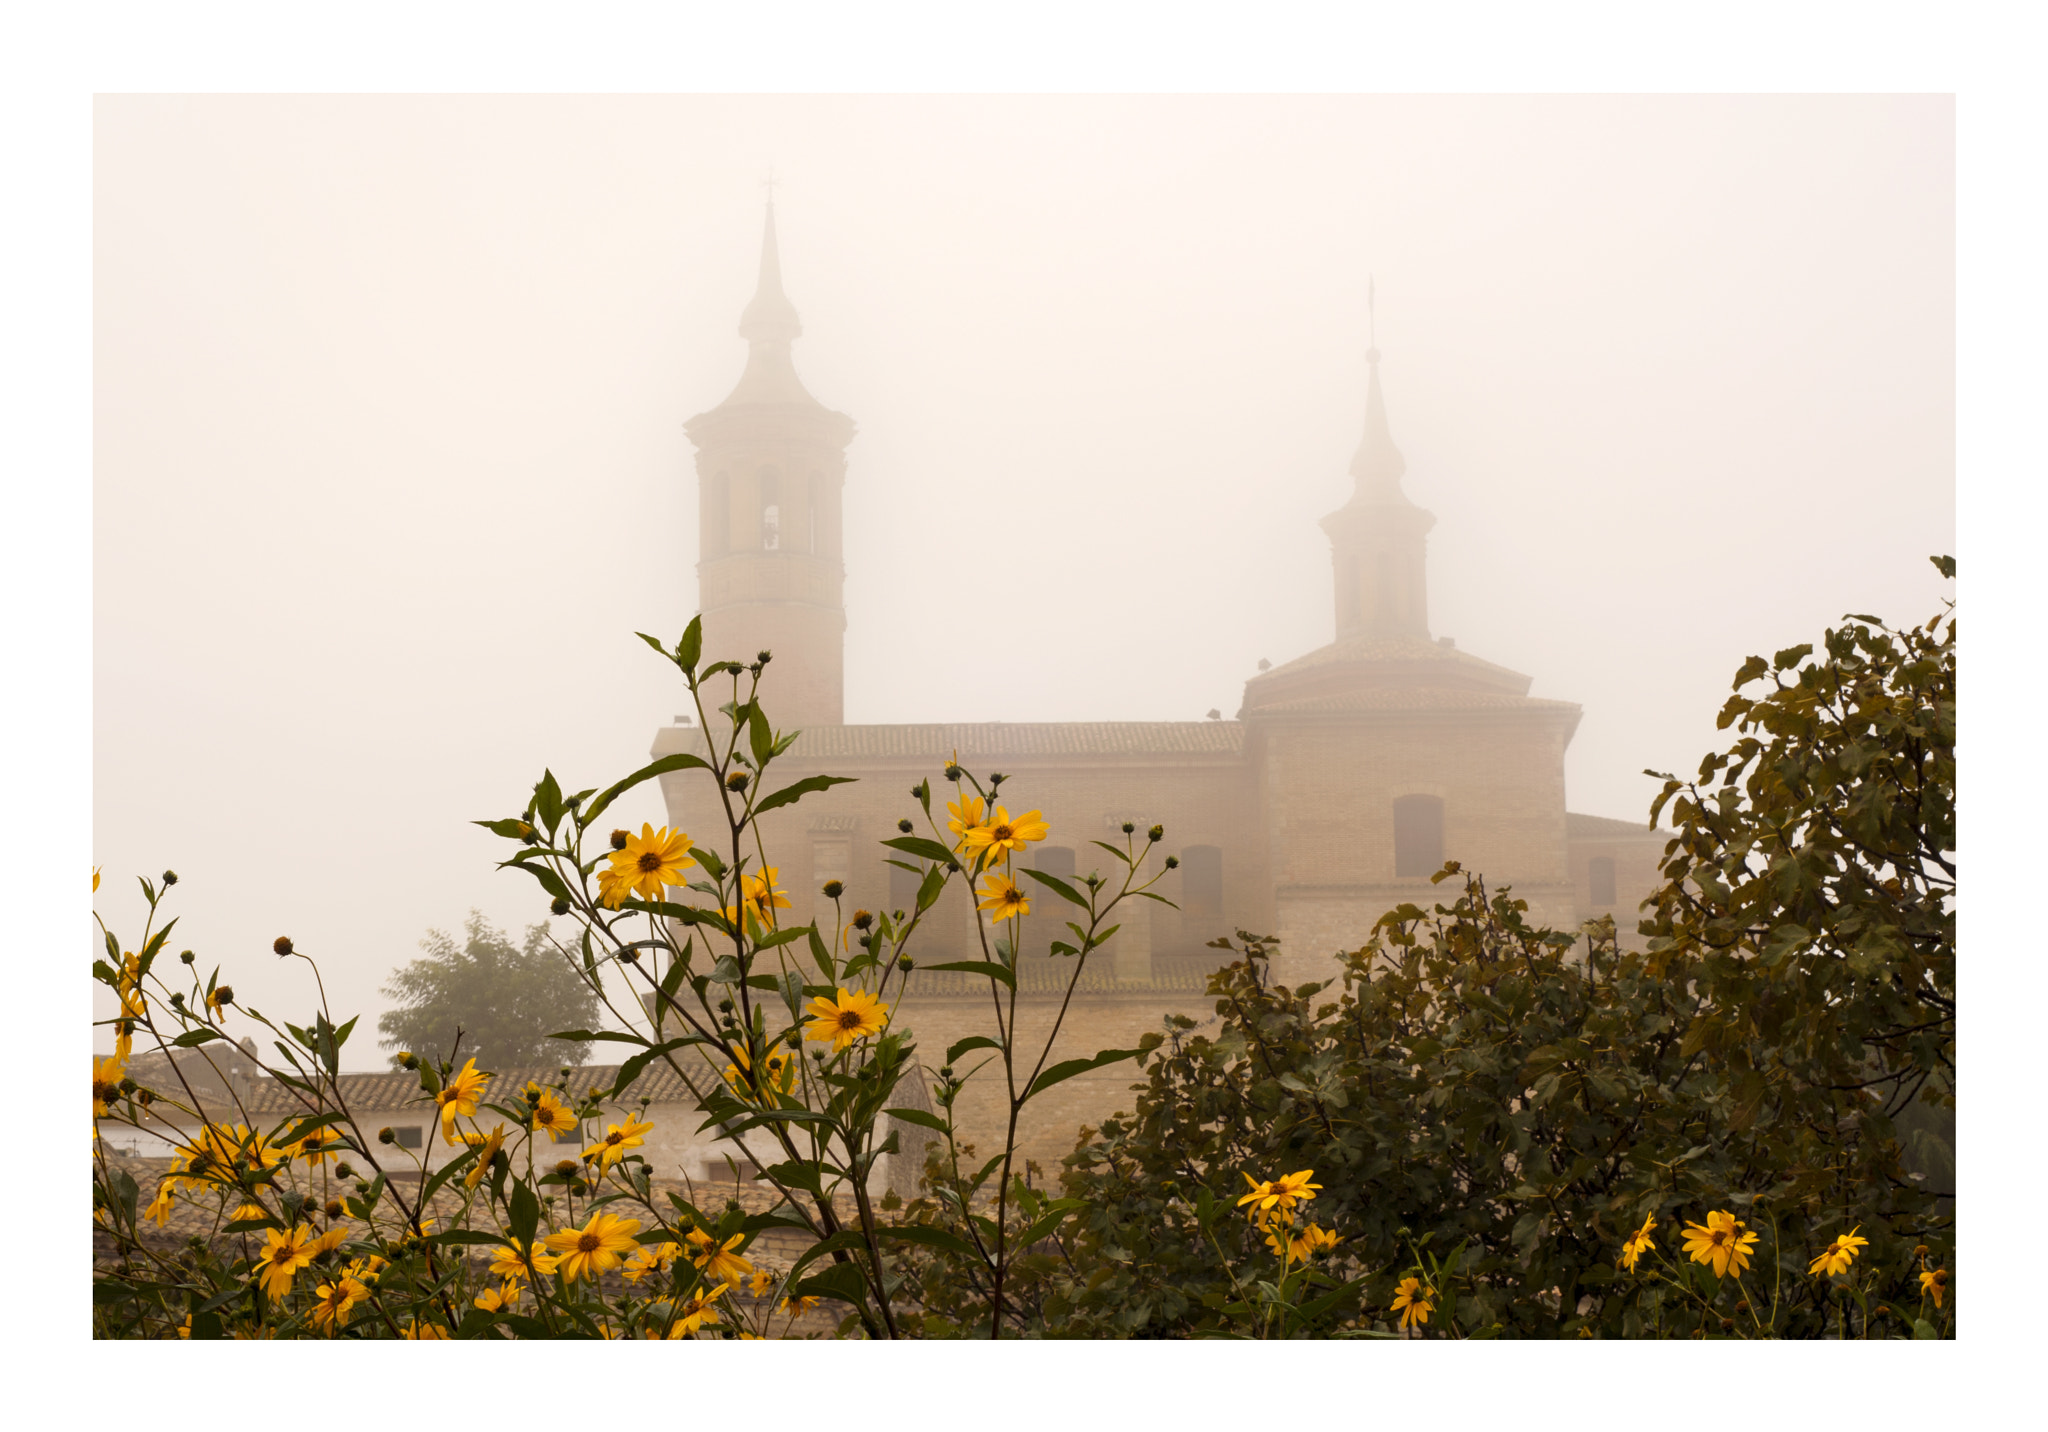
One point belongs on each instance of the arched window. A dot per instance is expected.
(771, 511)
(1418, 835)
(1201, 883)
(1600, 877)
(718, 517)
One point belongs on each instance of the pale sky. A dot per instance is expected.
(389, 461)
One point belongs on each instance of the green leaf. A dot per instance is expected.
(932, 1238)
(630, 1070)
(978, 967)
(511, 828)
(842, 1281)
(691, 647)
(921, 846)
(547, 801)
(1068, 1068)
(791, 794)
(919, 1117)
(928, 891)
(972, 1041)
(584, 1036)
(682, 761)
(1059, 887)
(760, 740)
(1923, 1330)
(821, 955)
(524, 1214)
(845, 1239)
(192, 1037)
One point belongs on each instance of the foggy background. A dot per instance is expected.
(389, 460)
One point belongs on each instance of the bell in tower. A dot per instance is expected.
(771, 467)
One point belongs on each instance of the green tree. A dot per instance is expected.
(504, 998)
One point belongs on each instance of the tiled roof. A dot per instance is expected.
(1600, 825)
(984, 740)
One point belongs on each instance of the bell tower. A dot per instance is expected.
(1378, 539)
(771, 467)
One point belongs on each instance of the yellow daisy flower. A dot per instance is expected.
(779, 1072)
(417, 1331)
(507, 1262)
(966, 813)
(617, 1139)
(107, 1075)
(500, 1299)
(459, 1097)
(595, 1248)
(760, 896)
(1639, 1243)
(550, 1116)
(1279, 1195)
(697, 1311)
(1934, 1284)
(848, 1016)
(1003, 900)
(613, 886)
(331, 1302)
(762, 1283)
(283, 1253)
(1838, 1255)
(490, 1144)
(1413, 1302)
(1298, 1247)
(317, 1147)
(652, 861)
(999, 834)
(1721, 1243)
(159, 1210)
(652, 1258)
(718, 1260)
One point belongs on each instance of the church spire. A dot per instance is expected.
(770, 317)
(1378, 464)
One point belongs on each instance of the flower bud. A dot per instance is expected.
(282, 944)
(996, 779)
(947, 1072)
(1129, 827)
(224, 995)
(407, 1059)
(862, 919)
(905, 826)
(953, 773)
(725, 1006)
(177, 1000)
(558, 906)
(333, 1208)
(764, 657)
(619, 839)
(127, 1086)
(186, 956)
(834, 889)
(566, 1167)
(905, 963)
(170, 877)
(1173, 862)
(1157, 832)
(737, 781)
(386, 1136)
(344, 1170)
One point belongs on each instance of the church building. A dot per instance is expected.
(1347, 777)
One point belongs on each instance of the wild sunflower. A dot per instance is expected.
(797, 1307)
(509, 1261)
(652, 861)
(550, 1116)
(331, 1302)
(417, 1331)
(459, 1097)
(595, 1248)
(652, 1258)
(1639, 1243)
(1003, 900)
(283, 1253)
(1721, 1243)
(1299, 1247)
(159, 1210)
(1838, 1255)
(699, 1310)
(762, 1283)
(1413, 1302)
(617, 1139)
(778, 1072)
(1000, 834)
(501, 1299)
(486, 1146)
(1934, 1284)
(613, 886)
(966, 815)
(760, 896)
(717, 1260)
(849, 1015)
(1279, 1195)
(317, 1147)
(107, 1075)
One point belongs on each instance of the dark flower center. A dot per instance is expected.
(589, 1243)
(650, 861)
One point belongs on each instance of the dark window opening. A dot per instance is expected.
(1418, 835)
(1600, 875)
(408, 1135)
(1201, 882)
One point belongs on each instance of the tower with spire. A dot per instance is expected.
(771, 470)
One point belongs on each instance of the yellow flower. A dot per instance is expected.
(507, 1262)
(697, 1311)
(595, 1248)
(1299, 1246)
(417, 1331)
(283, 1253)
(250, 1212)
(365, 1269)
(327, 1242)
(760, 896)
(652, 1258)
(1639, 1243)
(499, 1300)
(999, 834)
(1003, 900)
(551, 1116)
(617, 1139)
(484, 1154)
(779, 1072)
(159, 1210)
(317, 1147)
(1838, 1255)
(107, 1075)
(848, 1016)
(613, 886)
(797, 1307)
(459, 1097)
(1934, 1283)
(718, 1260)
(331, 1302)
(1280, 1195)
(96, 890)
(1413, 1302)
(652, 861)
(966, 814)
(1721, 1243)
(762, 1283)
